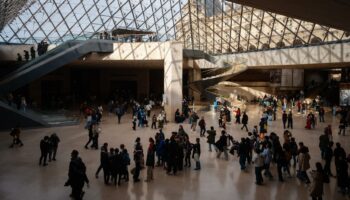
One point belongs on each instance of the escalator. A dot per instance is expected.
(224, 71)
(40, 66)
(51, 61)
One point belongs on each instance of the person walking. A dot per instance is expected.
(211, 138)
(245, 121)
(77, 176)
(221, 144)
(202, 124)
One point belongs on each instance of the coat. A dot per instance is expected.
(211, 136)
(316, 189)
(150, 156)
(304, 161)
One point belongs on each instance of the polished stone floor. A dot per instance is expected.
(22, 178)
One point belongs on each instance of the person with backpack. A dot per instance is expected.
(258, 160)
(125, 162)
(77, 176)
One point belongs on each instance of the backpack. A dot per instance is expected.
(126, 158)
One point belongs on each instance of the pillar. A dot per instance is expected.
(172, 98)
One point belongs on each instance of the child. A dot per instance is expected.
(134, 120)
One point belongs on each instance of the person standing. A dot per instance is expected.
(238, 116)
(258, 160)
(304, 164)
(119, 112)
(323, 143)
(245, 121)
(197, 153)
(290, 120)
(19, 57)
(328, 155)
(26, 55)
(23, 104)
(44, 148)
(54, 140)
(188, 146)
(77, 176)
(321, 114)
(202, 124)
(284, 119)
(154, 122)
(342, 174)
(211, 138)
(150, 160)
(134, 120)
(338, 152)
(138, 155)
(32, 52)
(316, 189)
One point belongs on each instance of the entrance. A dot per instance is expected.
(124, 89)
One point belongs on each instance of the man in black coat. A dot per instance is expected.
(77, 176)
(44, 148)
(222, 145)
(245, 121)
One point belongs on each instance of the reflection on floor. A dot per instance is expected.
(22, 178)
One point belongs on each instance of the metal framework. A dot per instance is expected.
(213, 26)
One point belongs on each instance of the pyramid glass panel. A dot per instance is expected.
(214, 27)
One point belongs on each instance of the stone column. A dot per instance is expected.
(172, 98)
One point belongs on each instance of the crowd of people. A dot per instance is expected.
(260, 149)
(31, 54)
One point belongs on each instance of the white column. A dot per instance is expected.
(172, 79)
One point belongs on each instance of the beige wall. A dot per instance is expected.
(292, 57)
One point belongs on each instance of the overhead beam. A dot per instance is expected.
(332, 13)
